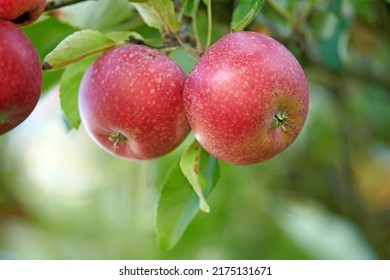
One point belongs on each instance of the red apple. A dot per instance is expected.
(21, 12)
(20, 76)
(131, 102)
(246, 99)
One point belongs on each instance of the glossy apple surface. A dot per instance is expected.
(21, 12)
(20, 76)
(131, 102)
(246, 99)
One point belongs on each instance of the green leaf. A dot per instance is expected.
(178, 202)
(99, 15)
(159, 14)
(189, 164)
(76, 47)
(191, 8)
(244, 13)
(54, 30)
(119, 36)
(69, 89)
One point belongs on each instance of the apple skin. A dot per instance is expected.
(21, 12)
(20, 76)
(246, 98)
(131, 102)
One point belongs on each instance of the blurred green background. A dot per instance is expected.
(326, 197)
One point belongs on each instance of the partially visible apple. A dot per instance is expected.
(246, 99)
(131, 103)
(22, 12)
(20, 76)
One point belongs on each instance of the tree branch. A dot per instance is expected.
(55, 4)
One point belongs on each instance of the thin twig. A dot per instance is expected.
(196, 34)
(210, 25)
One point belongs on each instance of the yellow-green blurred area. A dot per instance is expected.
(326, 197)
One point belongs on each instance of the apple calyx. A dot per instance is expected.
(118, 138)
(281, 120)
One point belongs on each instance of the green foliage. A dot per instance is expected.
(159, 14)
(330, 27)
(54, 30)
(76, 47)
(179, 203)
(191, 8)
(190, 164)
(244, 13)
(82, 44)
(69, 87)
(101, 15)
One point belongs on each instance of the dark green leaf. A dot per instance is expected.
(178, 202)
(69, 89)
(191, 8)
(76, 47)
(331, 34)
(244, 13)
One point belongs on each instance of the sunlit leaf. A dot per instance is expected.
(178, 202)
(76, 47)
(99, 15)
(244, 13)
(69, 88)
(166, 10)
(189, 164)
(159, 14)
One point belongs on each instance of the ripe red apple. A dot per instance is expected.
(131, 102)
(21, 12)
(20, 76)
(246, 99)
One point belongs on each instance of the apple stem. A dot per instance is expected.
(281, 120)
(117, 138)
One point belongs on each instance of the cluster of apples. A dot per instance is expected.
(246, 100)
(20, 67)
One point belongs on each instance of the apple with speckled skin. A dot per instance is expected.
(20, 76)
(21, 12)
(246, 98)
(131, 102)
